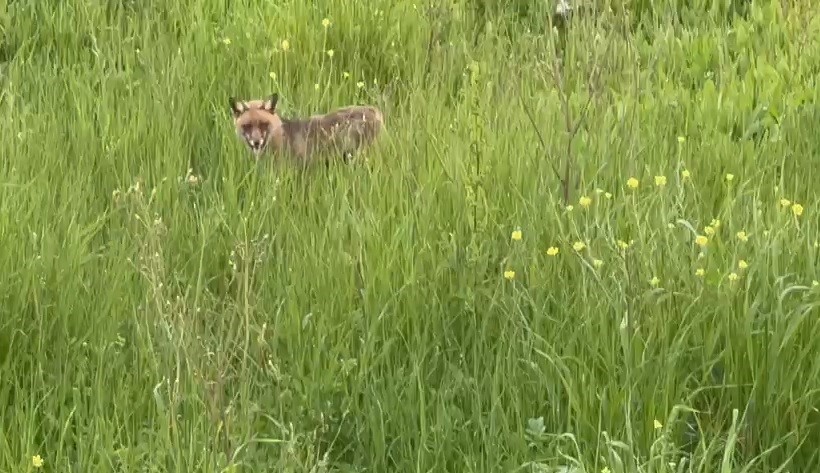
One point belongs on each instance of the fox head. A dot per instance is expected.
(256, 121)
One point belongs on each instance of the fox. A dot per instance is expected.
(342, 132)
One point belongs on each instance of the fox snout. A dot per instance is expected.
(256, 144)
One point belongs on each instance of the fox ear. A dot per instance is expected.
(237, 106)
(270, 103)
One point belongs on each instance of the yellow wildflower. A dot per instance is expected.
(226, 41)
(733, 277)
(715, 223)
(552, 251)
(597, 263)
(815, 283)
(700, 272)
(622, 244)
(797, 210)
(709, 231)
(660, 181)
(579, 246)
(742, 236)
(330, 53)
(509, 274)
(701, 240)
(632, 183)
(346, 75)
(657, 424)
(516, 235)
(608, 195)
(729, 177)
(654, 281)
(685, 174)
(785, 202)
(285, 45)
(37, 461)
(742, 264)
(681, 139)
(569, 208)
(360, 84)
(585, 201)
(326, 23)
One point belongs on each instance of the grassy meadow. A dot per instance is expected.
(577, 250)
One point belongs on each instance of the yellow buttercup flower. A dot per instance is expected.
(285, 45)
(785, 202)
(632, 183)
(37, 461)
(742, 236)
(685, 174)
(516, 235)
(326, 23)
(797, 210)
(654, 281)
(709, 231)
(660, 181)
(700, 272)
(579, 246)
(701, 240)
(730, 177)
(509, 274)
(733, 277)
(585, 201)
(657, 424)
(597, 263)
(742, 264)
(552, 251)
(622, 244)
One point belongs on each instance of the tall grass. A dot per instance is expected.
(169, 306)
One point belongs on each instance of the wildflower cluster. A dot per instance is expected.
(724, 250)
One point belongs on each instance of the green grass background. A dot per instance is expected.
(166, 306)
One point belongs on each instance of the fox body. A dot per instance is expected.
(339, 133)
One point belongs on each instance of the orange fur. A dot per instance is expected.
(339, 133)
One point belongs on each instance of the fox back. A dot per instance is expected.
(340, 132)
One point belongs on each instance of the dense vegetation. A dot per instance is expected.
(587, 248)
